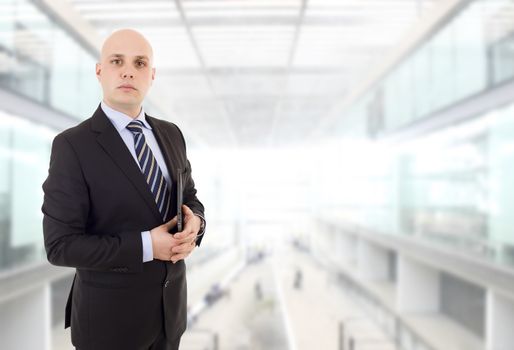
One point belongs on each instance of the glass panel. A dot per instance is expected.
(89, 92)
(444, 193)
(32, 43)
(7, 9)
(39, 60)
(470, 69)
(422, 82)
(443, 65)
(24, 154)
(471, 52)
(453, 187)
(498, 33)
(5, 193)
(500, 149)
(65, 74)
(7, 61)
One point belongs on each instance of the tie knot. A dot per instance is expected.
(135, 126)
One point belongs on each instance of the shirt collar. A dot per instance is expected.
(121, 120)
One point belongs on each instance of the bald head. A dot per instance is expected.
(125, 70)
(123, 38)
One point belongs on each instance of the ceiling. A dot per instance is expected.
(257, 73)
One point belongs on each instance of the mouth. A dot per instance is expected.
(126, 87)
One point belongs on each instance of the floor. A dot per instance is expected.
(284, 302)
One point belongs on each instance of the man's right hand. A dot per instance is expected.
(162, 240)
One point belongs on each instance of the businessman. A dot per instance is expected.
(110, 212)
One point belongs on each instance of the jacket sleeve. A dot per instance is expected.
(192, 201)
(190, 198)
(65, 220)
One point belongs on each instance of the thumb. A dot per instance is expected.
(170, 224)
(186, 210)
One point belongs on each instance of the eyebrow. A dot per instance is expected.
(119, 55)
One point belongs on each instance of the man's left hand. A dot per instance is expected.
(186, 239)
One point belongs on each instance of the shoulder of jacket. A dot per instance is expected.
(79, 128)
(168, 127)
(76, 131)
(164, 123)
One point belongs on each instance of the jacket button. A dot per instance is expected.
(166, 284)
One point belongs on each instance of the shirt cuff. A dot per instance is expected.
(202, 227)
(147, 246)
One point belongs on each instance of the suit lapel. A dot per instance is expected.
(168, 151)
(112, 143)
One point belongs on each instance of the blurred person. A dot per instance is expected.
(257, 290)
(110, 205)
(298, 279)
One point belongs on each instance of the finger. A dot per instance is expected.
(170, 224)
(188, 214)
(184, 236)
(183, 248)
(186, 231)
(188, 225)
(189, 246)
(180, 235)
(177, 257)
(186, 210)
(177, 248)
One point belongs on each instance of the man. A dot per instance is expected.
(109, 205)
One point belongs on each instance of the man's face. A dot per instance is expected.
(125, 70)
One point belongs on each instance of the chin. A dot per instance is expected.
(124, 99)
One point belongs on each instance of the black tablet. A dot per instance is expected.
(180, 193)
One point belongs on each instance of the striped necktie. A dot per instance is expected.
(150, 168)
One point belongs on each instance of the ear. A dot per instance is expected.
(153, 73)
(98, 70)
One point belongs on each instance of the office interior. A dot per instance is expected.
(355, 159)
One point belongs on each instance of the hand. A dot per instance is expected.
(162, 240)
(185, 241)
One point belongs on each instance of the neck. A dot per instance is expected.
(131, 111)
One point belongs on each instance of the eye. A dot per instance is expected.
(116, 61)
(141, 63)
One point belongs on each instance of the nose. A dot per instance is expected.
(125, 75)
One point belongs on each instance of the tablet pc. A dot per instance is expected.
(180, 199)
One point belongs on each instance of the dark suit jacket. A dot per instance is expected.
(96, 205)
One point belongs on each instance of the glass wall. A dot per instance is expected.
(24, 153)
(449, 66)
(445, 192)
(43, 62)
(471, 53)
(453, 187)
